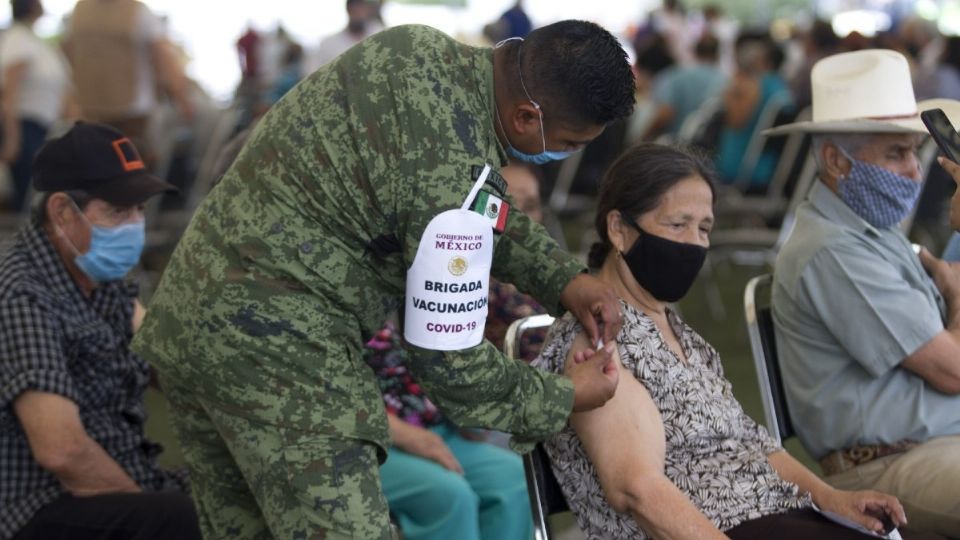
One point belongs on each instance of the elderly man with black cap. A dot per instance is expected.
(74, 462)
(869, 343)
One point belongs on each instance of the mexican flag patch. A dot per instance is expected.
(494, 208)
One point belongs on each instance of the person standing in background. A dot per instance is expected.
(35, 85)
(120, 56)
(819, 42)
(363, 21)
(513, 23)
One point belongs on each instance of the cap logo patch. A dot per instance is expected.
(129, 157)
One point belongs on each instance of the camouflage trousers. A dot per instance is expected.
(254, 481)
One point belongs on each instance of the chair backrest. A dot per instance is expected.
(546, 498)
(756, 304)
(926, 155)
(795, 147)
(560, 194)
(802, 186)
(767, 118)
(697, 123)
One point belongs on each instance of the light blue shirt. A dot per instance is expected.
(951, 253)
(686, 88)
(850, 302)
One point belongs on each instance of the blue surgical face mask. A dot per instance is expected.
(545, 156)
(881, 197)
(113, 252)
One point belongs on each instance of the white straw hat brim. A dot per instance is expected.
(911, 124)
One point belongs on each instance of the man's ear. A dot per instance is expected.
(525, 118)
(836, 165)
(60, 210)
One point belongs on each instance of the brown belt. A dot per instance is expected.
(843, 460)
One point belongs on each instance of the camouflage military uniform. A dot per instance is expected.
(292, 263)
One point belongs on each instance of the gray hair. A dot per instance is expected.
(851, 142)
(38, 207)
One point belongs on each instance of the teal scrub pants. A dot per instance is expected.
(489, 501)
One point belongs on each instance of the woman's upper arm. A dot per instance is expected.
(623, 438)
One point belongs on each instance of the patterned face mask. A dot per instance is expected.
(881, 197)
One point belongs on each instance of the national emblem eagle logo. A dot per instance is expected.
(457, 265)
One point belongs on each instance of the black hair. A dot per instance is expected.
(951, 52)
(674, 5)
(711, 10)
(21, 9)
(578, 72)
(772, 52)
(293, 54)
(653, 55)
(707, 48)
(38, 213)
(821, 34)
(777, 56)
(637, 181)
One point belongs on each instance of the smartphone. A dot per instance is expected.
(943, 133)
(917, 248)
(888, 525)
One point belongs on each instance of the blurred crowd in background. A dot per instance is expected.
(703, 78)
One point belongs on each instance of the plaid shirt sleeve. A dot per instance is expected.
(32, 355)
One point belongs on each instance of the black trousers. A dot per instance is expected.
(120, 516)
(806, 524)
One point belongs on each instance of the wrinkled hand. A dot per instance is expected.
(595, 375)
(868, 508)
(946, 275)
(593, 303)
(428, 445)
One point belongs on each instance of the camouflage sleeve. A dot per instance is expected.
(480, 387)
(526, 256)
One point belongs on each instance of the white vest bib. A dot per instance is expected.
(448, 282)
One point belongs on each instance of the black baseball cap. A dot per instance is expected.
(99, 160)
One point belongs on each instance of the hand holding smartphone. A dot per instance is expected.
(943, 133)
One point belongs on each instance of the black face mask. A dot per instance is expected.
(666, 269)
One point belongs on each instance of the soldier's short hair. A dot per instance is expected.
(578, 72)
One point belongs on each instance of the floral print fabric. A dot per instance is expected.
(715, 453)
(402, 395)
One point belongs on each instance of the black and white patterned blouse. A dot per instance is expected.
(715, 453)
(55, 340)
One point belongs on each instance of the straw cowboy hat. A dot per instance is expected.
(866, 91)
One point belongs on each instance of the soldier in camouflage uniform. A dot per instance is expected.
(296, 257)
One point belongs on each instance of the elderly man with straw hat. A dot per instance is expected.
(869, 343)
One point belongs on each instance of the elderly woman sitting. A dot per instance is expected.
(673, 455)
